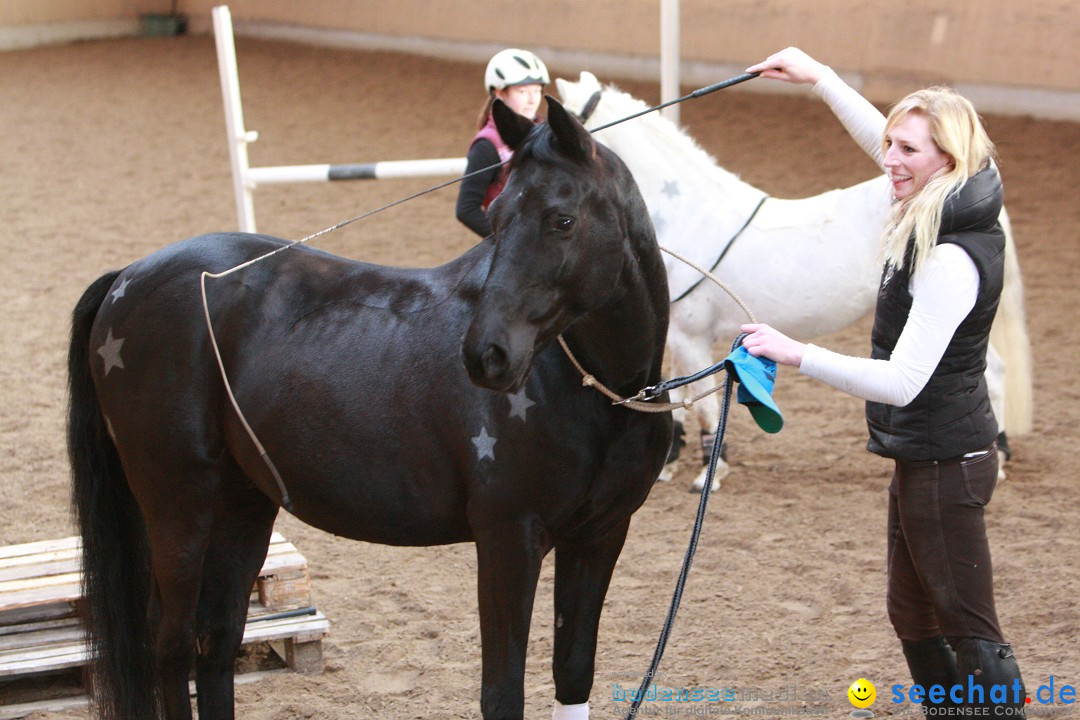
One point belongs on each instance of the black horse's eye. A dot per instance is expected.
(564, 223)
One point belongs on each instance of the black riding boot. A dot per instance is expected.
(990, 675)
(932, 662)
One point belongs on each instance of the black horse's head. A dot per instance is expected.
(562, 227)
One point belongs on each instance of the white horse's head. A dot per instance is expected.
(687, 193)
(576, 95)
(599, 105)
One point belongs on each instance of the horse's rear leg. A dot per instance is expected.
(179, 511)
(232, 562)
(508, 568)
(176, 560)
(582, 574)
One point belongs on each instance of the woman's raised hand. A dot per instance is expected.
(790, 65)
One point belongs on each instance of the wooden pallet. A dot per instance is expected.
(41, 632)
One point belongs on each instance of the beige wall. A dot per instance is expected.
(1012, 56)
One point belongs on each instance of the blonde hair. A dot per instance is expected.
(958, 132)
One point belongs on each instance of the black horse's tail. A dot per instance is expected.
(115, 548)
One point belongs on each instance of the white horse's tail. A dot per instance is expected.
(1010, 339)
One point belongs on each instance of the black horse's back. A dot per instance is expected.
(115, 584)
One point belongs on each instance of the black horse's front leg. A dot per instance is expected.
(582, 574)
(508, 562)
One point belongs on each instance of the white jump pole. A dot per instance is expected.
(234, 118)
(669, 57)
(247, 178)
(384, 170)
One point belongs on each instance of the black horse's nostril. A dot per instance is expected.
(494, 362)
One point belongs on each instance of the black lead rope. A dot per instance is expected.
(703, 503)
(654, 391)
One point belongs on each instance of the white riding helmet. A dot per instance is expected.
(514, 67)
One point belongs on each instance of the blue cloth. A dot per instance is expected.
(756, 377)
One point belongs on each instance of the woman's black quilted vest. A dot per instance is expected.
(952, 414)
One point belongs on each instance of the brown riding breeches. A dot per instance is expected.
(940, 575)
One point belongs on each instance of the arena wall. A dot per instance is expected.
(1008, 56)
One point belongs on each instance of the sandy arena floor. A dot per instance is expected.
(113, 149)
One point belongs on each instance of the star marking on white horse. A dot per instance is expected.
(485, 445)
(110, 351)
(121, 291)
(520, 404)
(671, 188)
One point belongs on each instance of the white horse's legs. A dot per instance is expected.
(707, 411)
(689, 354)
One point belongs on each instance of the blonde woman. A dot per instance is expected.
(927, 407)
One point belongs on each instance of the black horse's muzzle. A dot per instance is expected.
(494, 361)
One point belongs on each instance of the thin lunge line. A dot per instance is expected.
(286, 501)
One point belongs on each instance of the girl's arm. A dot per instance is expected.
(473, 189)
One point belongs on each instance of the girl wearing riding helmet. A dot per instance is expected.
(516, 77)
(927, 407)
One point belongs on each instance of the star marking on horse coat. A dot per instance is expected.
(485, 445)
(671, 188)
(519, 404)
(110, 352)
(122, 290)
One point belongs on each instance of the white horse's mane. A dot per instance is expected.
(655, 129)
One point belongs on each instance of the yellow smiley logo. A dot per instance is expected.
(862, 693)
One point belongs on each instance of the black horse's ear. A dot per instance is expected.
(570, 134)
(513, 128)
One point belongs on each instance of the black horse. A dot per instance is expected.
(355, 380)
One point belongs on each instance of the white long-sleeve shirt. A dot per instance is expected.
(943, 292)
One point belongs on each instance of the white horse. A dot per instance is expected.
(807, 266)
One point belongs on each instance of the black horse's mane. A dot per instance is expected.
(539, 144)
(542, 145)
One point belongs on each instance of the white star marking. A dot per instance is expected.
(485, 445)
(671, 188)
(520, 404)
(121, 291)
(110, 351)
